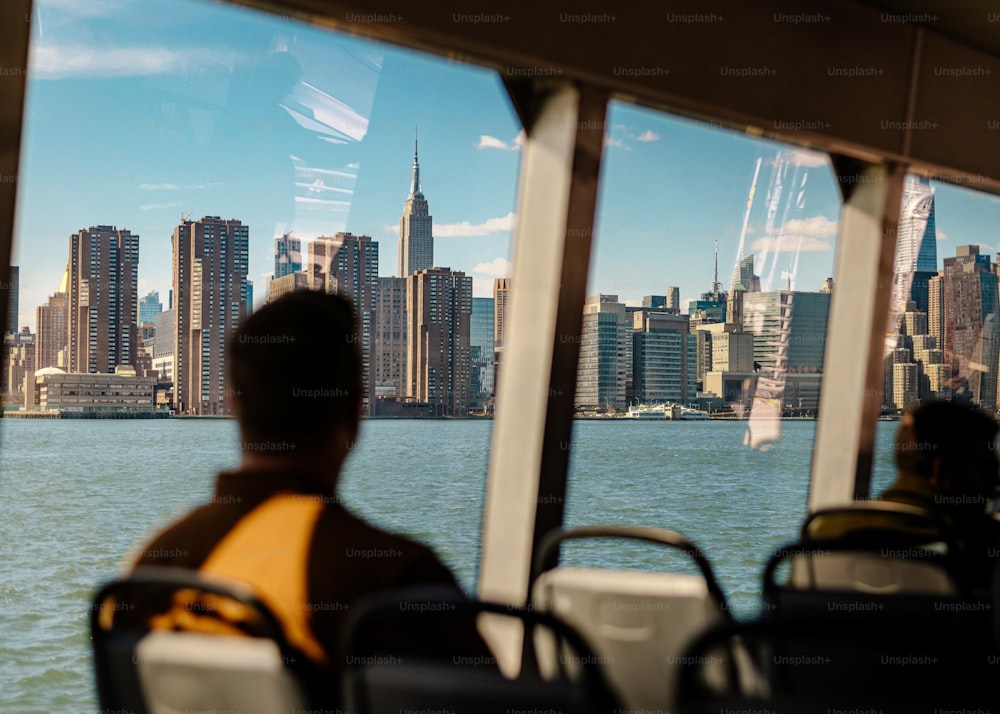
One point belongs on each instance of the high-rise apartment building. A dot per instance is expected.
(50, 333)
(102, 299)
(347, 265)
(439, 315)
(287, 255)
(604, 373)
(970, 323)
(743, 274)
(210, 291)
(390, 337)
(416, 240)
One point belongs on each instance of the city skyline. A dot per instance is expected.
(671, 187)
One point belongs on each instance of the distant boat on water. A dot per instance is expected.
(664, 412)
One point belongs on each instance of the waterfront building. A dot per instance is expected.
(663, 358)
(347, 265)
(13, 297)
(50, 330)
(149, 307)
(390, 337)
(287, 255)
(439, 315)
(19, 361)
(415, 250)
(102, 297)
(481, 352)
(121, 392)
(793, 318)
(604, 373)
(655, 302)
(165, 345)
(210, 291)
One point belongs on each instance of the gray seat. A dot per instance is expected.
(164, 671)
(384, 683)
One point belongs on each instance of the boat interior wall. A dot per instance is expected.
(866, 245)
(15, 18)
(557, 199)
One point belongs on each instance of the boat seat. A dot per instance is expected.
(386, 684)
(164, 671)
(876, 547)
(638, 623)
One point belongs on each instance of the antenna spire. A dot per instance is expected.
(415, 189)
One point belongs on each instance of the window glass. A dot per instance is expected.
(703, 343)
(279, 142)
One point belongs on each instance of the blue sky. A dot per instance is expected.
(139, 112)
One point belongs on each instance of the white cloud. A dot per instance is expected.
(156, 206)
(817, 226)
(648, 135)
(51, 61)
(388, 230)
(608, 141)
(940, 234)
(178, 186)
(496, 268)
(491, 142)
(491, 226)
(799, 234)
(790, 244)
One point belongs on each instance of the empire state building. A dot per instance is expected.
(416, 243)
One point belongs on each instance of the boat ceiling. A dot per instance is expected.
(914, 82)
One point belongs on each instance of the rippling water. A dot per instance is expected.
(77, 495)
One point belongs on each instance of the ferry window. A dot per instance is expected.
(701, 354)
(287, 148)
(941, 337)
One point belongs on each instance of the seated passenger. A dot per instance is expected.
(276, 523)
(947, 461)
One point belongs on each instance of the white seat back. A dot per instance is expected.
(867, 572)
(638, 624)
(183, 672)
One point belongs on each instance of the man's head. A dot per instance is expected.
(295, 376)
(953, 447)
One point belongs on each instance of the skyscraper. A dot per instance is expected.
(210, 290)
(102, 298)
(916, 244)
(50, 339)
(604, 372)
(673, 300)
(149, 307)
(791, 320)
(13, 292)
(501, 302)
(347, 265)
(287, 255)
(439, 312)
(663, 358)
(481, 350)
(416, 240)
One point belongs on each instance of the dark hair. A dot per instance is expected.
(295, 371)
(963, 437)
